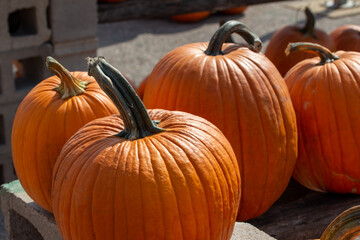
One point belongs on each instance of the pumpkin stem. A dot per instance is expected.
(309, 27)
(70, 86)
(137, 121)
(326, 56)
(344, 226)
(224, 32)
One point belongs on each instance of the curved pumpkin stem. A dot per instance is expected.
(345, 226)
(326, 56)
(133, 112)
(70, 86)
(309, 27)
(224, 32)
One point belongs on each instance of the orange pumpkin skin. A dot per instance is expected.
(141, 89)
(234, 10)
(275, 50)
(243, 94)
(190, 17)
(181, 183)
(42, 124)
(326, 99)
(347, 38)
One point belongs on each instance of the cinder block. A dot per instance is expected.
(23, 218)
(72, 55)
(14, 85)
(80, 21)
(23, 23)
(7, 114)
(7, 173)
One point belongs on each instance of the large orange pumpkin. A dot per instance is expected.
(347, 37)
(145, 175)
(325, 93)
(239, 90)
(49, 115)
(275, 50)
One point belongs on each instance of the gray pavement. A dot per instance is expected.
(135, 46)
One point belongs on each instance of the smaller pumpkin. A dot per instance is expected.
(347, 37)
(49, 115)
(190, 17)
(234, 10)
(275, 50)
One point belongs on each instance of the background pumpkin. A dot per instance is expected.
(52, 111)
(347, 37)
(275, 50)
(190, 17)
(240, 91)
(132, 179)
(326, 96)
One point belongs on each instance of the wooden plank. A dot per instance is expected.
(301, 214)
(134, 9)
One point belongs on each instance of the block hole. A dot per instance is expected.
(2, 130)
(22, 22)
(21, 228)
(27, 72)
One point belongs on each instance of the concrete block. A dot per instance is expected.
(77, 61)
(7, 173)
(31, 69)
(24, 219)
(23, 23)
(80, 21)
(7, 114)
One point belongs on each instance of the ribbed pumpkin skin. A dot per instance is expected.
(275, 50)
(179, 184)
(243, 94)
(347, 37)
(42, 124)
(326, 101)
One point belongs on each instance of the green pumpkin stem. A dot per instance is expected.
(136, 119)
(344, 226)
(223, 34)
(70, 86)
(326, 56)
(309, 28)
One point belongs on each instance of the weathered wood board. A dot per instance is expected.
(134, 9)
(302, 214)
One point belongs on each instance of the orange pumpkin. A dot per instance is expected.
(190, 17)
(234, 10)
(347, 38)
(326, 96)
(240, 91)
(141, 89)
(151, 174)
(275, 50)
(52, 111)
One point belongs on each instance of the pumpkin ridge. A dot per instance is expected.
(320, 184)
(187, 136)
(260, 117)
(79, 159)
(155, 146)
(177, 141)
(163, 141)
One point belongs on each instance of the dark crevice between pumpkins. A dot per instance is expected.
(69, 86)
(136, 119)
(326, 56)
(223, 34)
